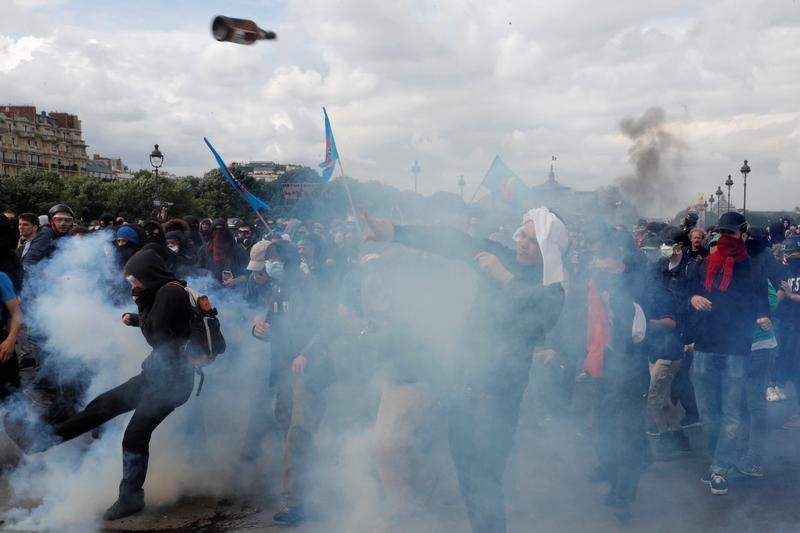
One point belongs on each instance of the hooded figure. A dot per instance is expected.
(128, 241)
(182, 258)
(164, 383)
(194, 237)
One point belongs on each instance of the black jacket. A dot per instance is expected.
(164, 317)
(505, 321)
(728, 327)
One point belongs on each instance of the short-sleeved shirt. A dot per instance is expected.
(6, 288)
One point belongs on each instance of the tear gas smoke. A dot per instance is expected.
(656, 153)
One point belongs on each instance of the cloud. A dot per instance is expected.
(450, 84)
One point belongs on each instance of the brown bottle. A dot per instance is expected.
(239, 31)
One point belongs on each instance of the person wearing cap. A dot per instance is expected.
(59, 224)
(299, 372)
(728, 298)
(518, 299)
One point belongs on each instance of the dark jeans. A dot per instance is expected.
(754, 405)
(151, 399)
(481, 433)
(683, 389)
(620, 440)
(720, 380)
(786, 366)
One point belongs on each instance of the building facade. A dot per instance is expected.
(48, 141)
(107, 167)
(265, 170)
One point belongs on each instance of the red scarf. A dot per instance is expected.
(597, 334)
(730, 251)
(219, 245)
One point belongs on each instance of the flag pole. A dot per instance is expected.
(347, 190)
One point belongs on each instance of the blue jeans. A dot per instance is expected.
(754, 407)
(720, 383)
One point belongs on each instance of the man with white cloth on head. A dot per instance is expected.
(518, 299)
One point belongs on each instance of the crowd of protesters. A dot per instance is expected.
(673, 327)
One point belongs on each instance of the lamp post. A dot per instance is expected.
(729, 184)
(461, 184)
(415, 170)
(745, 170)
(719, 199)
(156, 160)
(711, 203)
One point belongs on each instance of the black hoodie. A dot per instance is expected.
(164, 313)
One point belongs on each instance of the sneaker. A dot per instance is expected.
(125, 506)
(706, 479)
(751, 470)
(772, 394)
(691, 422)
(582, 376)
(793, 422)
(289, 516)
(719, 485)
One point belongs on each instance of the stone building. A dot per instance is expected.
(265, 170)
(49, 141)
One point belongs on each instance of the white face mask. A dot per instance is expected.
(174, 247)
(667, 250)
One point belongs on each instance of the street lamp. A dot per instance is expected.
(156, 160)
(719, 199)
(711, 203)
(461, 184)
(729, 184)
(415, 170)
(745, 170)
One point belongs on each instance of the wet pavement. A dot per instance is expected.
(546, 490)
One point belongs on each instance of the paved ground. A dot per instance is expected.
(547, 491)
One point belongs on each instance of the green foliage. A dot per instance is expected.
(37, 190)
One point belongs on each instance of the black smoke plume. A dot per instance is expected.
(656, 153)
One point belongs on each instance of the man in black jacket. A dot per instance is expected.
(165, 382)
(728, 298)
(518, 300)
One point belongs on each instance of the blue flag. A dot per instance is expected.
(501, 179)
(331, 154)
(254, 201)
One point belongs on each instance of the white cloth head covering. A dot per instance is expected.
(553, 238)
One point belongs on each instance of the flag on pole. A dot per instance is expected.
(501, 179)
(331, 154)
(254, 201)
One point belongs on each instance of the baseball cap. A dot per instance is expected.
(258, 256)
(732, 221)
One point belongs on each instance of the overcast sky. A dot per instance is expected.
(450, 83)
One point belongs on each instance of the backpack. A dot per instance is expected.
(206, 340)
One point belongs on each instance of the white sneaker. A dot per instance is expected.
(781, 393)
(772, 394)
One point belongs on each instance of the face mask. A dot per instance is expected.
(174, 247)
(275, 270)
(667, 250)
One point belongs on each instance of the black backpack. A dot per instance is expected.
(206, 340)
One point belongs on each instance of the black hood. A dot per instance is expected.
(149, 268)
